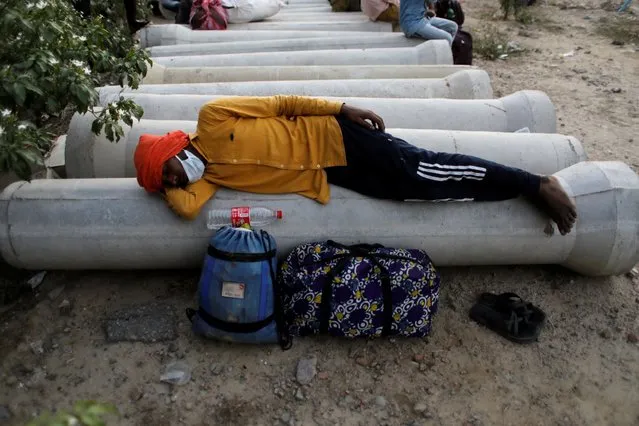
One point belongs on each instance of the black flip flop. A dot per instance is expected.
(509, 315)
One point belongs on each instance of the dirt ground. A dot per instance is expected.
(583, 371)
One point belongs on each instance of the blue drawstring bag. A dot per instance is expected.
(238, 297)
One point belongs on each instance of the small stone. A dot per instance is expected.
(418, 357)
(5, 414)
(216, 369)
(362, 361)
(56, 292)
(306, 370)
(634, 272)
(136, 394)
(348, 401)
(420, 408)
(618, 43)
(37, 279)
(632, 338)
(278, 392)
(37, 347)
(189, 406)
(299, 395)
(285, 417)
(65, 308)
(605, 333)
(380, 401)
(37, 378)
(174, 397)
(173, 347)
(616, 90)
(11, 380)
(323, 375)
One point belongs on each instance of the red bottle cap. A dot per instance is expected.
(278, 214)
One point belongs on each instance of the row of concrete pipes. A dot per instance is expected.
(97, 217)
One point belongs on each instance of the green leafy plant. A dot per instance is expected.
(51, 61)
(492, 44)
(84, 413)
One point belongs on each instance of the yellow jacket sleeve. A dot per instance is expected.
(188, 202)
(264, 107)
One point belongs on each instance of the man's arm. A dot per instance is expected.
(264, 107)
(188, 202)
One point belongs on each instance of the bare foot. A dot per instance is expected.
(558, 204)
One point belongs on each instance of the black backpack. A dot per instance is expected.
(450, 9)
(463, 42)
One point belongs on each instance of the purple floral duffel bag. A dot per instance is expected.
(358, 291)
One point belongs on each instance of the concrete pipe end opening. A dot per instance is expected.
(607, 228)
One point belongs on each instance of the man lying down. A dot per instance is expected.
(295, 144)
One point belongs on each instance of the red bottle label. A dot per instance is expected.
(240, 216)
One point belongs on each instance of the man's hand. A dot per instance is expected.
(360, 116)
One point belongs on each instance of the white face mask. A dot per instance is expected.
(193, 166)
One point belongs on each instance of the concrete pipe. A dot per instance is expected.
(470, 84)
(313, 2)
(123, 227)
(290, 10)
(163, 35)
(328, 25)
(225, 48)
(318, 17)
(526, 108)
(433, 52)
(159, 74)
(93, 156)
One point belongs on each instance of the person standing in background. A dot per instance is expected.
(415, 22)
(381, 10)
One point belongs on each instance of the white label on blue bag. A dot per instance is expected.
(233, 290)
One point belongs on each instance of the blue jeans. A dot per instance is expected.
(434, 29)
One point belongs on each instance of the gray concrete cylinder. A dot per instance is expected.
(470, 84)
(225, 48)
(163, 35)
(291, 10)
(327, 25)
(159, 74)
(318, 17)
(123, 227)
(432, 52)
(93, 156)
(526, 108)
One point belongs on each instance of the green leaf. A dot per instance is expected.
(108, 130)
(96, 126)
(19, 93)
(32, 88)
(127, 120)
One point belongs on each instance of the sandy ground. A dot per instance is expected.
(583, 371)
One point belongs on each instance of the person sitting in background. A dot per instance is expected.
(130, 7)
(295, 144)
(381, 10)
(415, 22)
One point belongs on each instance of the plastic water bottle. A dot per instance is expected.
(239, 216)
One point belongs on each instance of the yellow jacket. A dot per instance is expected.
(268, 145)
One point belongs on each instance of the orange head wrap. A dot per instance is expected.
(151, 154)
